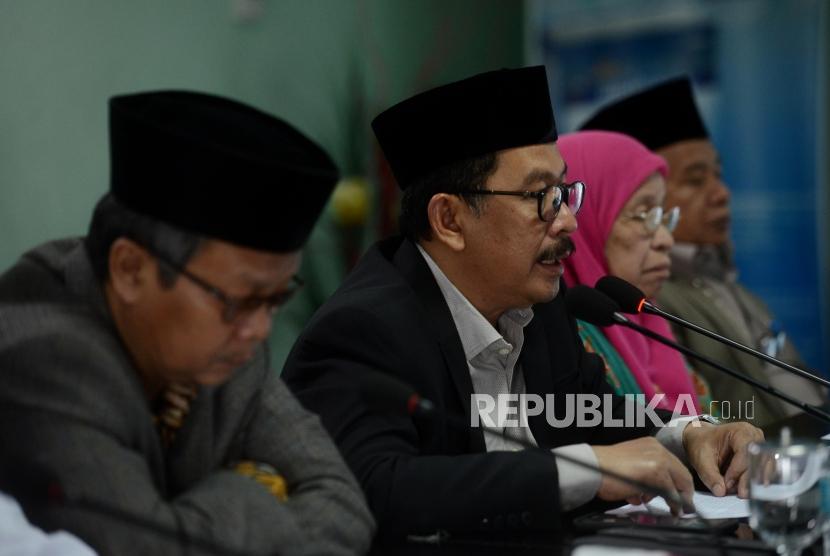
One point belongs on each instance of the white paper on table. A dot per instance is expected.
(708, 505)
(603, 550)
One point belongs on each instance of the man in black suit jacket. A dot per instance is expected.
(469, 303)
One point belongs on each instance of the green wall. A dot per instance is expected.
(327, 66)
(824, 173)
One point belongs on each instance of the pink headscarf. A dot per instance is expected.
(613, 166)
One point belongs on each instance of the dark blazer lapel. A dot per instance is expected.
(538, 374)
(414, 269)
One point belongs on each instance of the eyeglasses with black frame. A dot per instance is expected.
(572, 194)
(234, 308)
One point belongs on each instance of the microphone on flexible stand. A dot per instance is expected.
(632, 300)
(595, 307)
(390, 395)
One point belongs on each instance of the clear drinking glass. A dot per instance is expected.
(785, 494)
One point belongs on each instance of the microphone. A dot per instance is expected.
(595, 307)
(388, 394)
(632, 300)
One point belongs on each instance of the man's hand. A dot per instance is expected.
(647, 461)
(713, 449)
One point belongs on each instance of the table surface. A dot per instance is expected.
(739, 543)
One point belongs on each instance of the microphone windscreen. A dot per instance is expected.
(628, 296)
(590, 305)
(384, 393)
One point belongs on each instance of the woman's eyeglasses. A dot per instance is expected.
(653, 217)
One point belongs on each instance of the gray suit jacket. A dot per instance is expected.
(690, 294)
(73, 415)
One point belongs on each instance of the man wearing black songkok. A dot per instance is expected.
(134, 378)
(468, 303)
(704, 286)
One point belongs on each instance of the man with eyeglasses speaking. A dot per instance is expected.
(134, 378)
(466, 306)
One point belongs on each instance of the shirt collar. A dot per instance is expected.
(684, 251)
(712, 261)
(475, 331)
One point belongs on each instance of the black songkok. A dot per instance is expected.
(479, 115)
(218, 168)
(657, 117)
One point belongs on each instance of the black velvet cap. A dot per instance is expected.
(468, 118)
(218, 168)
(657, 117)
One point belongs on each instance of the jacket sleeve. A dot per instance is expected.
(418, 475)
(65, 424)
(327, 504)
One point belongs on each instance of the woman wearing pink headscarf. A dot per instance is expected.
(624, 231)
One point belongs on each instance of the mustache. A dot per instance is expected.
(564, 247)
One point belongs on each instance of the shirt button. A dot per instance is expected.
(504, 351)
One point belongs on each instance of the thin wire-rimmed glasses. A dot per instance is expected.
(235, 308)
(572, 194)
(653, 217)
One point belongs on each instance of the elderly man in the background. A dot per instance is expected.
(704, 287)
(137, 407)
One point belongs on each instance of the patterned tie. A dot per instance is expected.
(173, 408)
